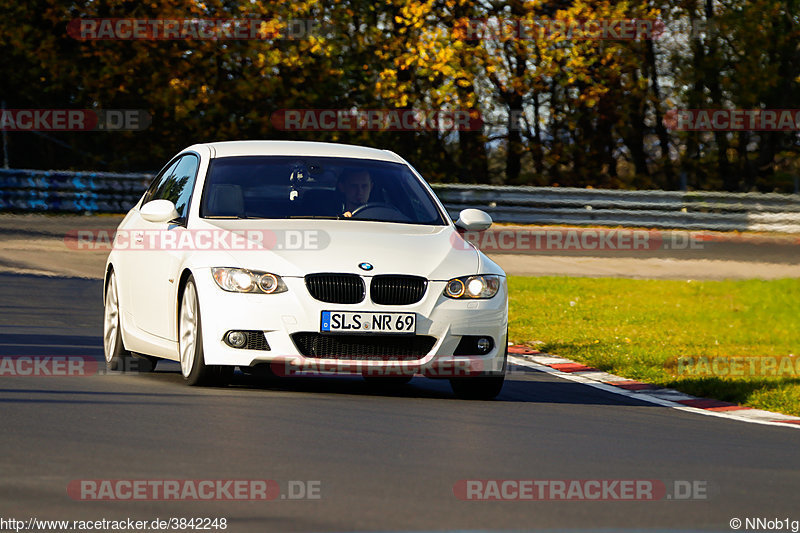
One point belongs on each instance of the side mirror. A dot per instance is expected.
(159, 211)
(473, 220)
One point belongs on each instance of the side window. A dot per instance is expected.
(158, 181)
(177, 183)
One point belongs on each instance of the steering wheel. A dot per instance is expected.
(389, 209)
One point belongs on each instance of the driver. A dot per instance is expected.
(355, 186)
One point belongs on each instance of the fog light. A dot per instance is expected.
(472, 345)
(484, 345)
(236, 339)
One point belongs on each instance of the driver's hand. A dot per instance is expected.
(347, 214)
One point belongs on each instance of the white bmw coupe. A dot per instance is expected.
(295, 257)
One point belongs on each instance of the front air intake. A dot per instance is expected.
(363, 347)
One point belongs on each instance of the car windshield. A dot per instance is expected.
(280, 187)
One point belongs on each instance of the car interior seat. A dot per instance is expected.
(226, 199)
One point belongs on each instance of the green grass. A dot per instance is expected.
(637, 329)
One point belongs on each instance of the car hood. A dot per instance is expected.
(300, 247)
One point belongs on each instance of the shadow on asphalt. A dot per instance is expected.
(522, 384)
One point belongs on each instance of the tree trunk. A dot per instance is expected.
(661, 130)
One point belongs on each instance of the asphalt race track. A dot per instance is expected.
(383, 460)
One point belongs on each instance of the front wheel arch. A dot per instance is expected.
(118, 357)
(185, 275)
(109, 270)
(199, 373)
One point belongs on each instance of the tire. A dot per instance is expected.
(117, 357)
(481, 387)
(190, 344)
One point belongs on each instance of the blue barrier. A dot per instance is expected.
(75, 192)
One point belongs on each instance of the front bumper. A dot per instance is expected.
(279, 316)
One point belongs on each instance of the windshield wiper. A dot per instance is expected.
(389, 221)
(227, 217)
(316, 217)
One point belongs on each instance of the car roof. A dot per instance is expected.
(299, 148)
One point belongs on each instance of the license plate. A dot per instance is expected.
(367, 322)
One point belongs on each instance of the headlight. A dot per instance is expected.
(243, 280)
(479, 287)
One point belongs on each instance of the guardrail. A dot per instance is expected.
(103, 192)
(648, 209)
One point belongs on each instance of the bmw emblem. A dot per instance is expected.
(365, 266)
